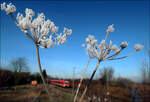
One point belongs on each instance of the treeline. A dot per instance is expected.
(9, 78)
(17, 73)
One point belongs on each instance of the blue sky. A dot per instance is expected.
(130, 19)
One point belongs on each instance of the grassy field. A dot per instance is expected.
(96, 93)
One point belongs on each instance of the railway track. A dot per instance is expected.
(64, 89)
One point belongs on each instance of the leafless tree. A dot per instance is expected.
(19, 65)
(145, 68)
(107, 74)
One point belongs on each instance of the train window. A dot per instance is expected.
(66, 82)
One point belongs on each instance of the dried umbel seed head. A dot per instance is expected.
(115, 48)
(91, 37)
(42, 31)
(138, 47)
(9, 9)
(110, 29)
(3, 6)
(123, 45)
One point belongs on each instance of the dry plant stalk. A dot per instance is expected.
(82, 77)
(103, 52)
(44, 33)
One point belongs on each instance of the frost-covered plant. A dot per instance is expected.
(90, 37)
(104, 51)
(44, 33)
(82, 76)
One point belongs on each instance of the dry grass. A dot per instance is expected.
(28, 93)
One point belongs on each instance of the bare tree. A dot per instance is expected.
(19, 65)
(106, 74)
(149, 65)
(144, 72)
(145, 67)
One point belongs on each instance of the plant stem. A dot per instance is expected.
(75, 97)
(89, 82)
(40, 69)
(122, 57)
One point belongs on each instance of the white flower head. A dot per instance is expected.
(42, 30)
(138, 47)
(25, 23)
(102, 44)
(67, 31)
(19, 17)
(39, 21)
(93, 42)
(123, 45)
(91, 37)
(110, 29)
(9, 9)
(45, 28)
(29, 13)
(35, 23)
(54, 30)
(3, 6)
(41, 16)
(115, 48)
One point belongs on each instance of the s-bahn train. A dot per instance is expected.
(62, 83)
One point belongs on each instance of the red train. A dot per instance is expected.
(62, 83)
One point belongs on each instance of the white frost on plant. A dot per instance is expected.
(115, 48)
(123, 45)
(67, 31)
(39, 21)
(138, 47)
(93, 42)
(102, 44)
(9, 9)
(3, 6)
(95, 50)
(91, 37)
(110, 29)
(29, 13)
(103, 49)
(23, 22)
(109, 45)
(44, 32)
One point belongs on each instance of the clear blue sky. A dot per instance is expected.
(130, 19)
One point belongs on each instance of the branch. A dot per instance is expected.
(26, 33)
(104, 45)
(14, 19)
(122, 57)
(89, 82)
(30, 37)
(115, 54)
(81, 79)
